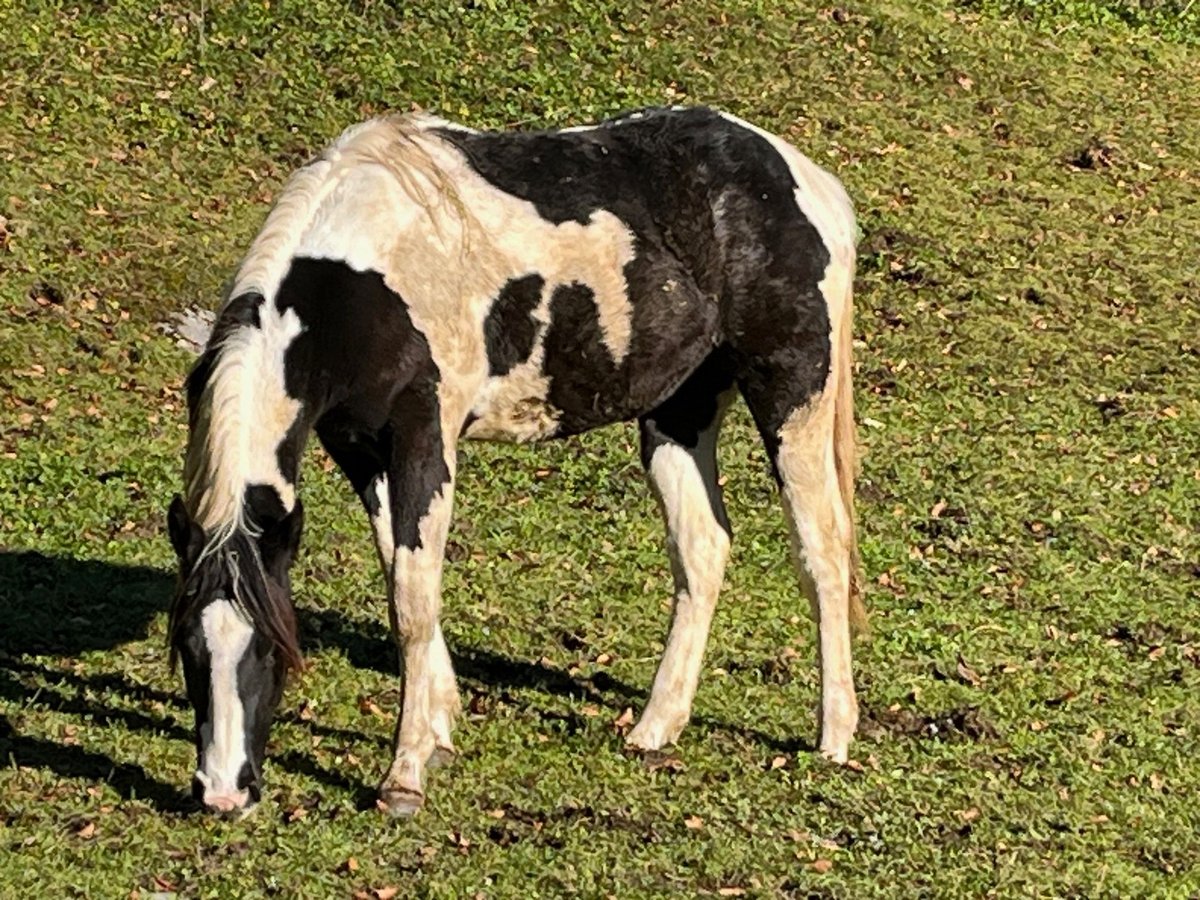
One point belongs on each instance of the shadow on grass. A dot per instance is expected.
(65, 607)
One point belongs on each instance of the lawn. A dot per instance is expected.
(1028, 385)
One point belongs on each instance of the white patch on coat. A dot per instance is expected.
(227, 635)
(448, 241)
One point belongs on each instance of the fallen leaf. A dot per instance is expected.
(386, 893)
(350, 865)
(87, 831)
(694, 822)
(367, 706)
(778, 762)
(821, 865)
(295, 815)
(731, 892)
(624, 720)
(966, 673)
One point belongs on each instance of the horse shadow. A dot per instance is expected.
(64, 607)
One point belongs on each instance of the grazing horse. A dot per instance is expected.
(422, 282)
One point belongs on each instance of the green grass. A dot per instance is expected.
(1028, 342)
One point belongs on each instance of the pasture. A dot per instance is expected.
(1028, 385)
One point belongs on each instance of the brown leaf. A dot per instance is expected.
(369, 707)
(694, 822)
(87, 831)
(731, 892)
(624, 720)
(385, 893)
(969, 815)
(821, 865)
(938, 509)
(656, 759)
(966, 673)
(778, 762)
(295, 815)
(350, 865)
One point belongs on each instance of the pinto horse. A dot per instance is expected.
(422, 282)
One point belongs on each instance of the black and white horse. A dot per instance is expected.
(422, 282)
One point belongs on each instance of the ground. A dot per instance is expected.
(1028, 388)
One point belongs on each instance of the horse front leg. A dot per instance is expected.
(420, 498)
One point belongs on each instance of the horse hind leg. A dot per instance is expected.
(679, 454)
(800, 439)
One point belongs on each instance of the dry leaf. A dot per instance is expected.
(350, 865)
(367, 706)
(779, 762)
(624, 720)
(386, 893)
(731, 892)
(966, 673)
(87, 831)
(693, 822)
(821, 865)
(295, 815)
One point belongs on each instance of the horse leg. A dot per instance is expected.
(420, 496)
(362, 462)
(679, 441)
(800, 442)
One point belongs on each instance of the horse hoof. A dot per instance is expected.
(400, 803)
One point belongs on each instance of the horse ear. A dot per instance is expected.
(280, 541)
(186, 536)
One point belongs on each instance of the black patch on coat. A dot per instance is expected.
(684, 416)
(510, 330)
(580, 366)
(368, 384)
(724, 258)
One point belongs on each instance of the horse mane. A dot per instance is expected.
(236, 567)
(226, 383)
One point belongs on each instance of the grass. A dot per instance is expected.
(1027, 381)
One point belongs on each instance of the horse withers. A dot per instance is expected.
(422, 282)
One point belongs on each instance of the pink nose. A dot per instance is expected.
(226, 803)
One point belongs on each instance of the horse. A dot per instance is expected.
(421, 282)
